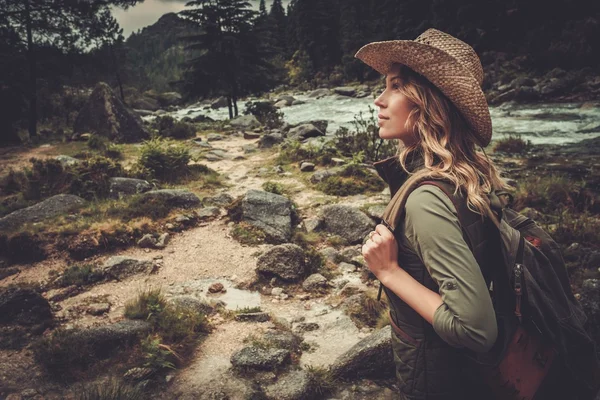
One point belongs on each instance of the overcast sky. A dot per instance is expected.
(149, 11)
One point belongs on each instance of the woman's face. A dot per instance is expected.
(394, 108)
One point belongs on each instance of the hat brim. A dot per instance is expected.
(442, 70)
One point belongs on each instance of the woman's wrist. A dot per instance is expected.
(390, 275)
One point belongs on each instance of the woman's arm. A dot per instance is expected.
(462, 312)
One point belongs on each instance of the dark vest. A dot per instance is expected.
(428, 368)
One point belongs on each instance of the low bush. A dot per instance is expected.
(513, 144)
(112, 389)
(79, 275)
(293, 152)
(322, 380)
(248, 234)
(547, 193)
(168, 127)
(147, 305)
(266, 113)
(353, 179)
(273, 187)
(163, 160)
(367, 311)
(364, 137)
(583, 228)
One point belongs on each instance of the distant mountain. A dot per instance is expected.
(156, 53)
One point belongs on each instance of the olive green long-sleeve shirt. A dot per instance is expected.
(466, 317)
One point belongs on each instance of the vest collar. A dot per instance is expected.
(391, 171)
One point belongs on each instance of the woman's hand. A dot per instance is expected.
(381, 252)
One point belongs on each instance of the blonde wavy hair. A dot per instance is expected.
(446, 144)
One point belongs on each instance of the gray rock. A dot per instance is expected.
(318, 93)
(245, 122)
(330, 254)
(98, 309)
(281, 104)
(322, 174)
(251, 136)
(320, 124)
(345, 91)
(314, 282)
(287, 99)
(285, 261)
(307, 167)
(192, 303)
(312, 224)
(218, 103)
(174, 197)
(283, 339)
(121, 187)
(170, 98)
(119, 267)
(347, 222)
(106, 339)
(369, 358)
(147, 241)
(269, 212)
(257, 358)
(346, 267)
(105, 114)
(221, 200)
(376, 211)
(47, 209)
(212, 137)
(295, 385)
(304, 131)
(249, 148)
(269, 140)
(208, 212)
(253, 317)
(162, 241)
(67, 161)
(297, 102)
(23, 307)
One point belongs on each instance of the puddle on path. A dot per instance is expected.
(233, 298)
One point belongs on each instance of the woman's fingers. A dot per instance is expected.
(384, 231)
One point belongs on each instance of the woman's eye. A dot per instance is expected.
(395, 86)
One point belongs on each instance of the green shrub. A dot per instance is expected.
(157, 355)
(273, 187)
(583, 228)
(79, 275)
(364, 137)
(353, 179)
(513, 144)
(547, 193)
(367, 311)
(97, 142)
(13, 182)
(112, 389)
(168, 127)
(90, 177)
(248, 234)
(292, 152)
(147, 305)
(266, 113)
(164, 160)
(322, 380)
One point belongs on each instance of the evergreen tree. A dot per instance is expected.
(230, 61)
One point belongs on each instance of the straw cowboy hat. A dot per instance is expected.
(448, 63)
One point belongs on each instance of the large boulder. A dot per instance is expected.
(174, 197)
(318, 93)
(304, 131)
(285, 261)
(105, 339)
(47, 209)
(271, 213)
(119, 267)
(242, 122)
(105, 114)
(24, 307)
(170, 98)
(295, 385)
(121, 187)
(218, 103)
(259, 358)
(370, 358)
(347, 222)
(345, 91)
(269, 140)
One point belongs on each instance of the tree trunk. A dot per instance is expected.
(229, 106)
(116, 67)
(32, 74)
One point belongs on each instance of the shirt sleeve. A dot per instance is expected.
(466, 317)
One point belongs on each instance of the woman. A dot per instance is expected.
(437, 287)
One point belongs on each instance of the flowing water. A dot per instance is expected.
(540, 123)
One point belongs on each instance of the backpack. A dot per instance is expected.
(542, 341)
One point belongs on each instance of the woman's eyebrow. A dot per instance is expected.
(393, 78)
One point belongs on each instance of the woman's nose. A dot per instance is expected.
(379, 101)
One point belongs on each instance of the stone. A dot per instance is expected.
(253, 317)
(216, 287)
(276, 291)
(47, 209)
(162, 241)
(67, 161)
(351, 289)
(285, 261)
(312, 224)
(221, 200)
(269, 212)
(57, 295)
(192, 303)
(269, 140)
(173, 197)
(245, 122)
(314, 282)
(322, 174)
(119, 267)
(208, 212)
(318, 93)
(347, 267)
(23, 307)
(170, 98)
(104, 340)
(212, 137)
(347, 222)
(98, 309)
(369, 358)
(345, 91)
(376, 211)
(287, 99)
(304, 131)
(251, 136)
(147, 241)
(283, 339)
(306, 327)
(122, 187)
(330, 254)
(218, 103)
(262, 359)
(249, 148)
(105, 114)
(307, 167)
(295, 385)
